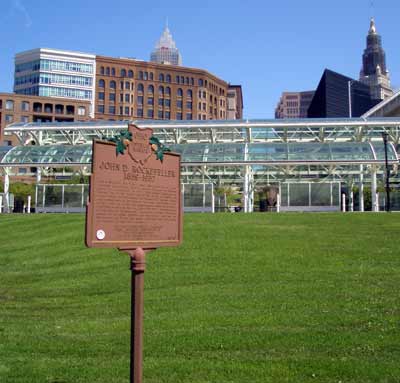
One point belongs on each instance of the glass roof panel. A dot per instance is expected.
(216, 153)
(348, 151)
(379, 149)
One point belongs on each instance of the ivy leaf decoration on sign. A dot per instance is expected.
(121, 140)
(158, 148)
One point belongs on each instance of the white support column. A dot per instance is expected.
(212, 199)
(29, 204)
(246, 190)
(351, 201)
(373, 190)
(361, 189)
(343, 202)
(6, 190)
(1, 204)
(278, 202)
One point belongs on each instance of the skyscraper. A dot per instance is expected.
(374, 72)
(165, 51)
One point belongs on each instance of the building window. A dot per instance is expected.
(192, 81)
(199, 107)
(140, 87)
(121, 97)
(140, 100)
(189, 116)
(121, 85)
(59, 109)
(200, 82)
(113, 84)
(182, 80)
(177, 80)
(9, 104)
(161, 91)
(160, 114)
(167, 102)
(168, 78)
(179, 116)
(102, 70)
(123, 72)
(189, 93)
(179, 104)
(112, 97)
(140, 75)
(145, 76)
(111, 109)
(167, 91)
(151, 76)
(112, 71)
(127, 97)
(24, 119)
(121, 110)
(150, 89)
(150, 113)
(139, 112)
(150, 101)
(102, 83)
(101, 95)
(167, 115)
(130, 73)
(127, 85)
(161, 77)
(179, 92)
(204, 106)
(81, 111)
(127, 110)
(187, 80)
(25, 106)
(9, 118)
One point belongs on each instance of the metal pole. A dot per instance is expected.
(138, 266)
(349, 93)
(373, 190)
(385, 142)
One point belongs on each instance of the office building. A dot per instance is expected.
(331, 98)
(165, 51)
(234, 102)
(374, 73)
(294, 104)
(56, 73)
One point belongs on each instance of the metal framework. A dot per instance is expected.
(248, 154)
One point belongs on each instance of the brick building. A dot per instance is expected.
(24, 108)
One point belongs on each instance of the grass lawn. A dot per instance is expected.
(247, 298)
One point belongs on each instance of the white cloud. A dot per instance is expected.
(19, 6)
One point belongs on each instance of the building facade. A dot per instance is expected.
(23, 108)
(294, 104)
(340, 96)
(374, 73)
(128, 88)
(56, 73)
(234, 102)
(165, 51)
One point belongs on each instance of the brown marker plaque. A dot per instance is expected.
(135, 198)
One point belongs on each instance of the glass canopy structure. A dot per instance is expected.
(248, 155)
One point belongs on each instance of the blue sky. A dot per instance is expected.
(266, 46)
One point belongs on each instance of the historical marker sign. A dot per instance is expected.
(135, 198)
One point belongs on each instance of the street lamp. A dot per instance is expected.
(385, 142)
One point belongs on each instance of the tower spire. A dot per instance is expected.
(374, 72)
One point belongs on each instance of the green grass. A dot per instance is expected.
(247, 298)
